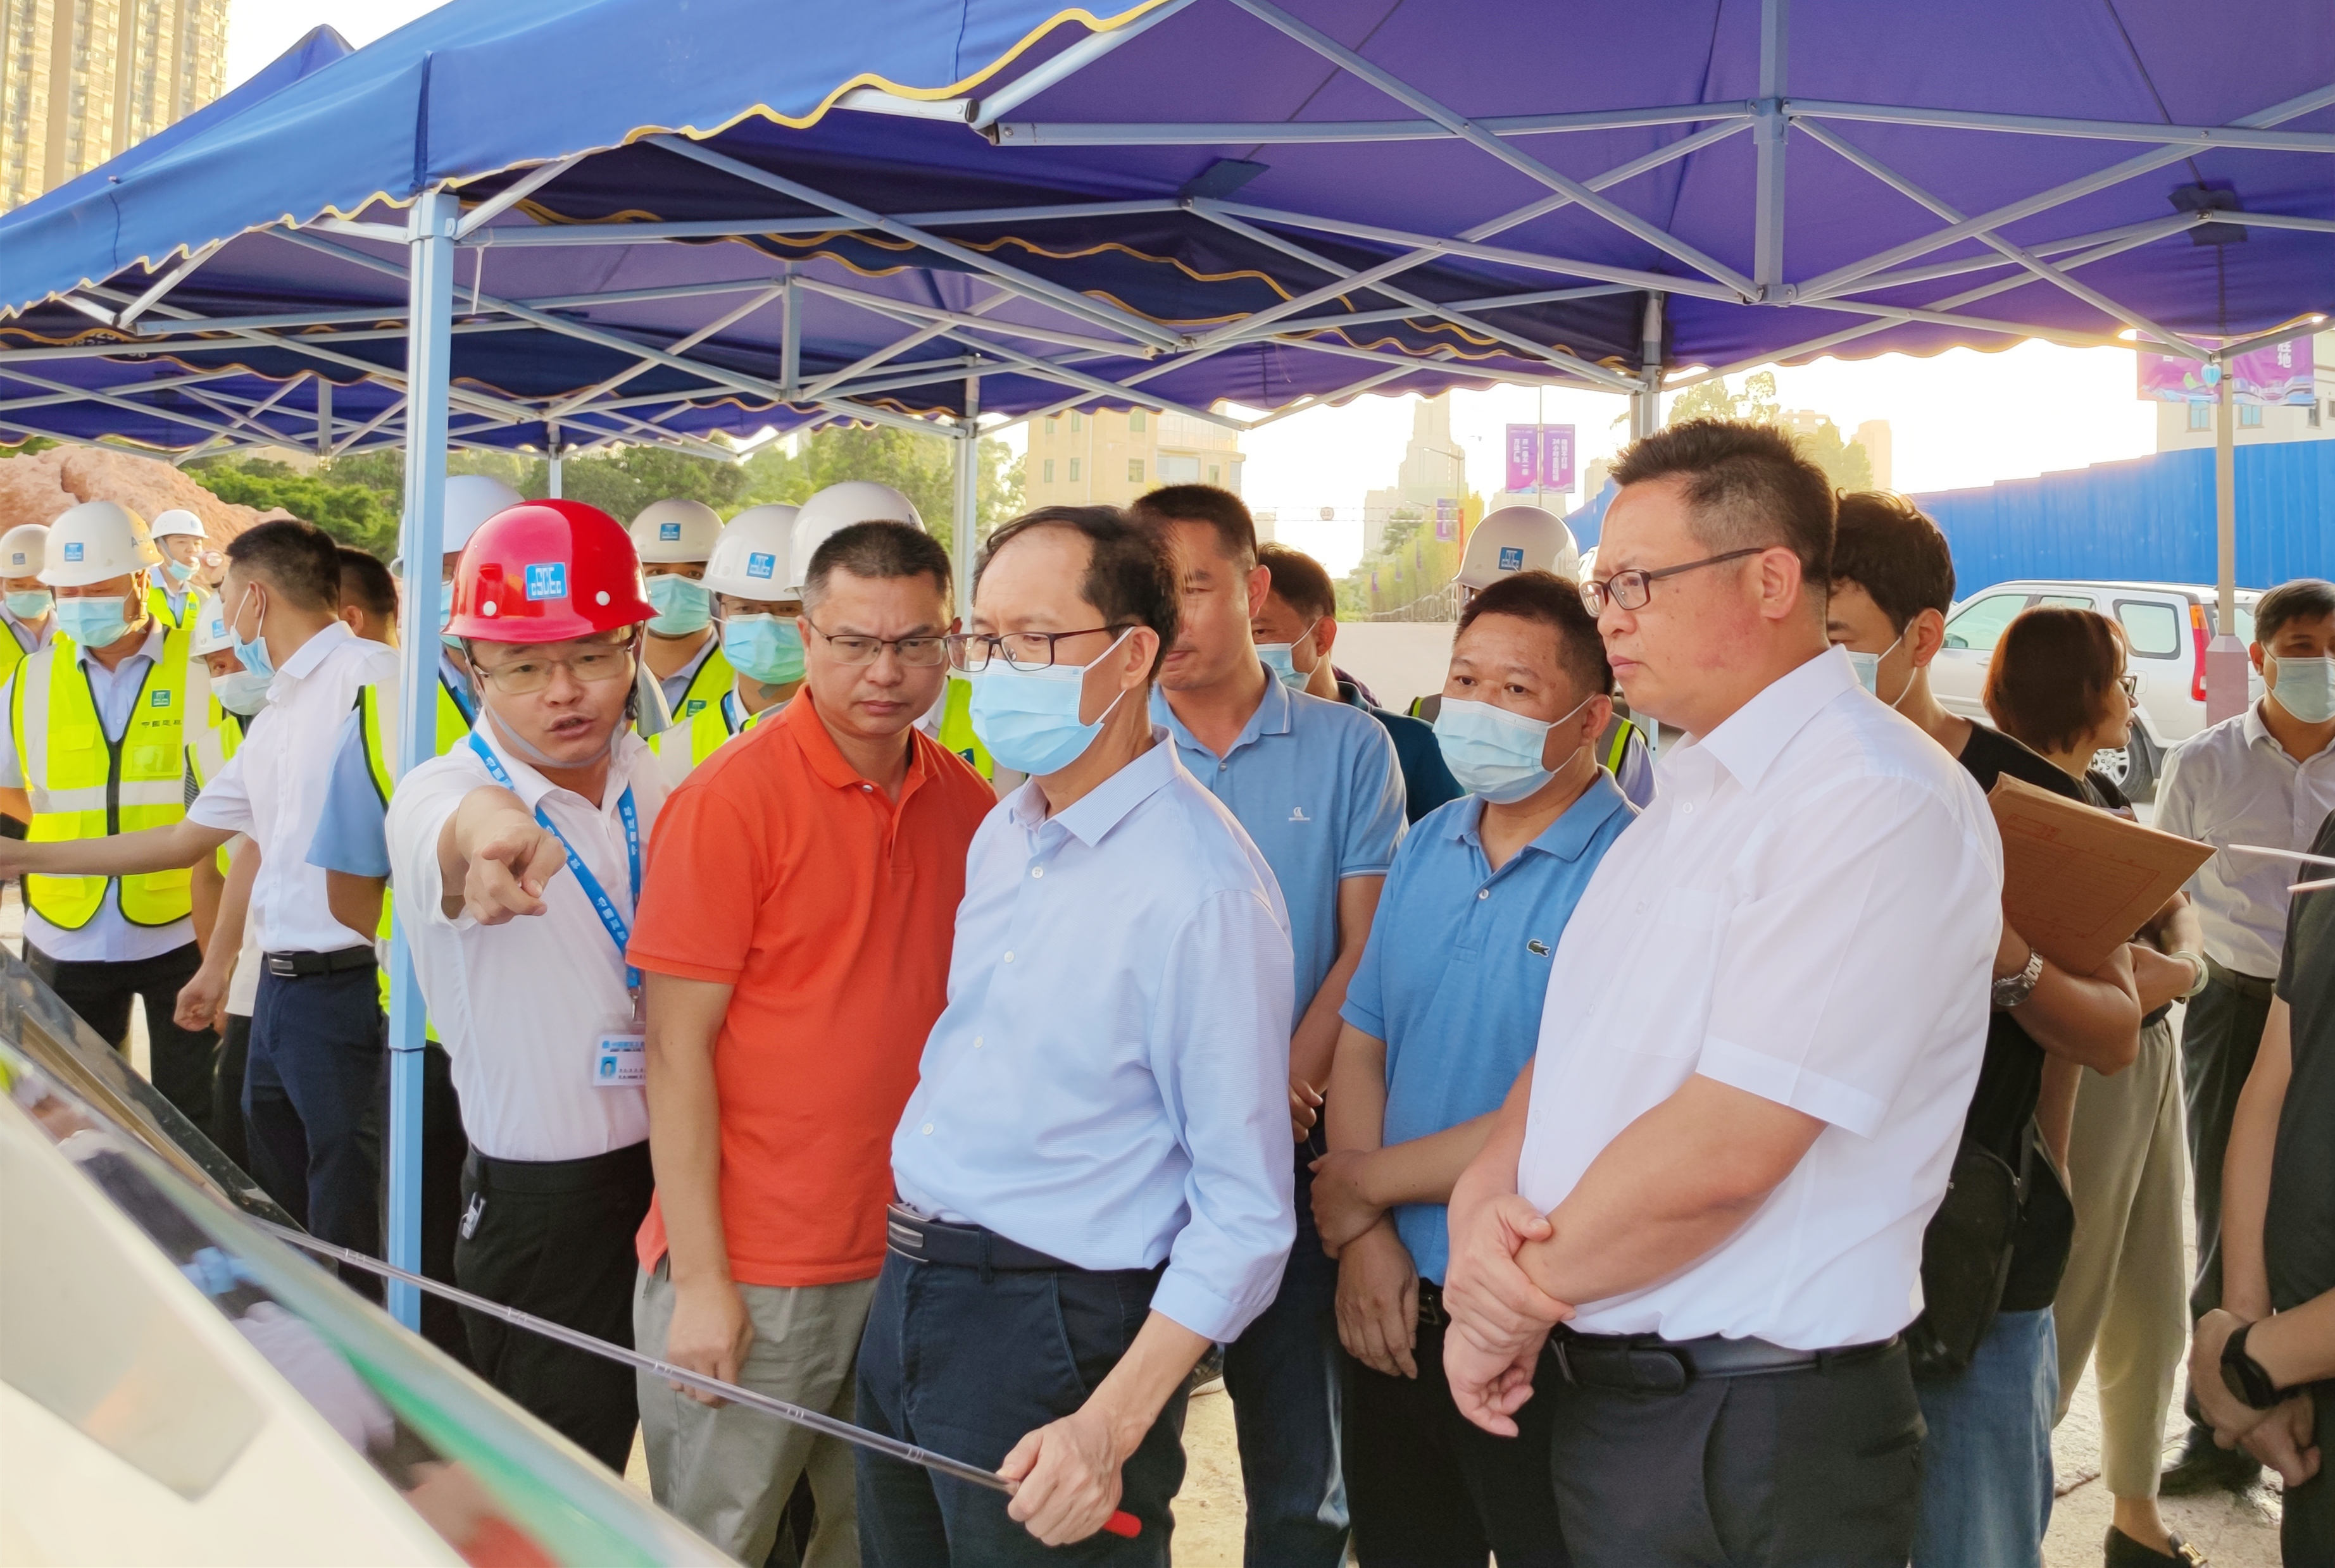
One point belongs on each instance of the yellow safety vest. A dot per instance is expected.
(706, 730)
(713, 680)
(12, 652)
(208, 753)
(956, 728)
(85, 786)
(158, 604)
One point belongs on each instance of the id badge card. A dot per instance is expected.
(620, 1060)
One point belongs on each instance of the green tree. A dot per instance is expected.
(920, 467)
(27, 447)
(356, 513)
(1846, 463)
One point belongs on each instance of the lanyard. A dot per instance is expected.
(619, 931)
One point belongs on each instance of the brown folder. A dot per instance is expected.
(2077, 882)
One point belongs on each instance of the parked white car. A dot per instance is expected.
(2166, 627)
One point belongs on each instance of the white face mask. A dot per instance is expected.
(1868, 669)
(1494, 752)
(2306, 687)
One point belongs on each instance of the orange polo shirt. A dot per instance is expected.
(776, 869)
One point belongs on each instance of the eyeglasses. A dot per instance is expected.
(916, 653)
(971, 650)
(593, 663)
(2131, 684)
(1631, 590)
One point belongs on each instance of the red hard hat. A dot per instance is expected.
(543, 572)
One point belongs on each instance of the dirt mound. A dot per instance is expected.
(37, 488)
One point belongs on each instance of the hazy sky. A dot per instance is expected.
(1962, 418)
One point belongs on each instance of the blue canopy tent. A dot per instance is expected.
(537, 224)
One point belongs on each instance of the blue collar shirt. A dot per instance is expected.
(1108, 1083)
(1457, 971)
(1317, 787)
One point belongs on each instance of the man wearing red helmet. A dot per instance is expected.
(515, 860)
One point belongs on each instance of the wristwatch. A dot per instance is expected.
(2196, 962)
(2244, 1375)
(2014, 988)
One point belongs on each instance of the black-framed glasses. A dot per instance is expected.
(919, 652)
(1631, 590)
(971, 650)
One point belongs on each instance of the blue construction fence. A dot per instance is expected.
(2150, 520)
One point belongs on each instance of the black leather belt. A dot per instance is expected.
(1642, 1364)
(337, 962)
(924, 1241)
(1430, 1305)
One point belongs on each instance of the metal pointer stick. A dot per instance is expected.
(1120, 1523)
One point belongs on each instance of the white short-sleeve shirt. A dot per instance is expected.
(520, 1006)
(1808, 912)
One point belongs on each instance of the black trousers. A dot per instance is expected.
(1428, 1486)
(226, 1125)
(1815, 1465)
(180, 1060)
(966, 1365)
(2220, 1034)
(444, 1149)
(2307, 1524)
(308, 1094)
(555, 1238)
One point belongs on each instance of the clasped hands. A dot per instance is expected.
(2280, 1437)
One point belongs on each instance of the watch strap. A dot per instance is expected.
(2013, 990)
(2244, 1375)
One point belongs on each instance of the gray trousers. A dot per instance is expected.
(727, 1471)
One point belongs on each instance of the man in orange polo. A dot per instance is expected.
(794, 933)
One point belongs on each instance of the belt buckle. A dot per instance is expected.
(283, 966)
(1564, 1361)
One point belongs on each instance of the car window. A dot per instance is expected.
(2064, 601)
(2153, 629)
(1979, 623)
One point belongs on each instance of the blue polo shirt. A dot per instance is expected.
(1457, 970)
(1316, 785)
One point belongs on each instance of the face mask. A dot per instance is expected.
(1868, 669)
(93, 623)
(1029, 719)
(252, 654)
(179, 571)
(31, 605)
(2306, 688)
(1494, 752)
(764, 648)
(240, 691)
(1281, 659)
(683, 605)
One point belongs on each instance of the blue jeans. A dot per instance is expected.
(1986, 1469)
(965, 1366)
(1283, 1376)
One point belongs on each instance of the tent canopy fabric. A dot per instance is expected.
(725, 217)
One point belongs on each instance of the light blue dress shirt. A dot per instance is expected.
(1317, 786)
(1109, 1081)
(350, 833)
(1457, 971)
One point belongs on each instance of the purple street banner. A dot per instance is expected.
(2279, 373)
(1540, 458)
(1447, 520)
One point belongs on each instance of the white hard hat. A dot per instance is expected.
(178, 521)
(836, 509)
(1517, 539)
(97, 540)
(471, 499)
(24, 550)
(749, 560)
(675, 531)
(210, 629)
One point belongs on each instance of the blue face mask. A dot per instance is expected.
(1029, 719)
(2306, 688)
(1868, 669)
(240, 691)
(1493, 752)
(1281, 659)
(93, 623)
(683, 605)
(764, 648)
(254, 654)
(179, 571)
(31, 605)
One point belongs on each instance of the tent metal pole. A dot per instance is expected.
(1646, 401)
(551, 464)
(1772, 136)
(2051, 125)
(429, 349)
(324, 417)
(1324, 132)
(2225, 657)
(968, 497)
(986, 110)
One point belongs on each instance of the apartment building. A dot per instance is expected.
(82, 80)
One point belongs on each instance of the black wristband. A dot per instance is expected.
(2244, 1375)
